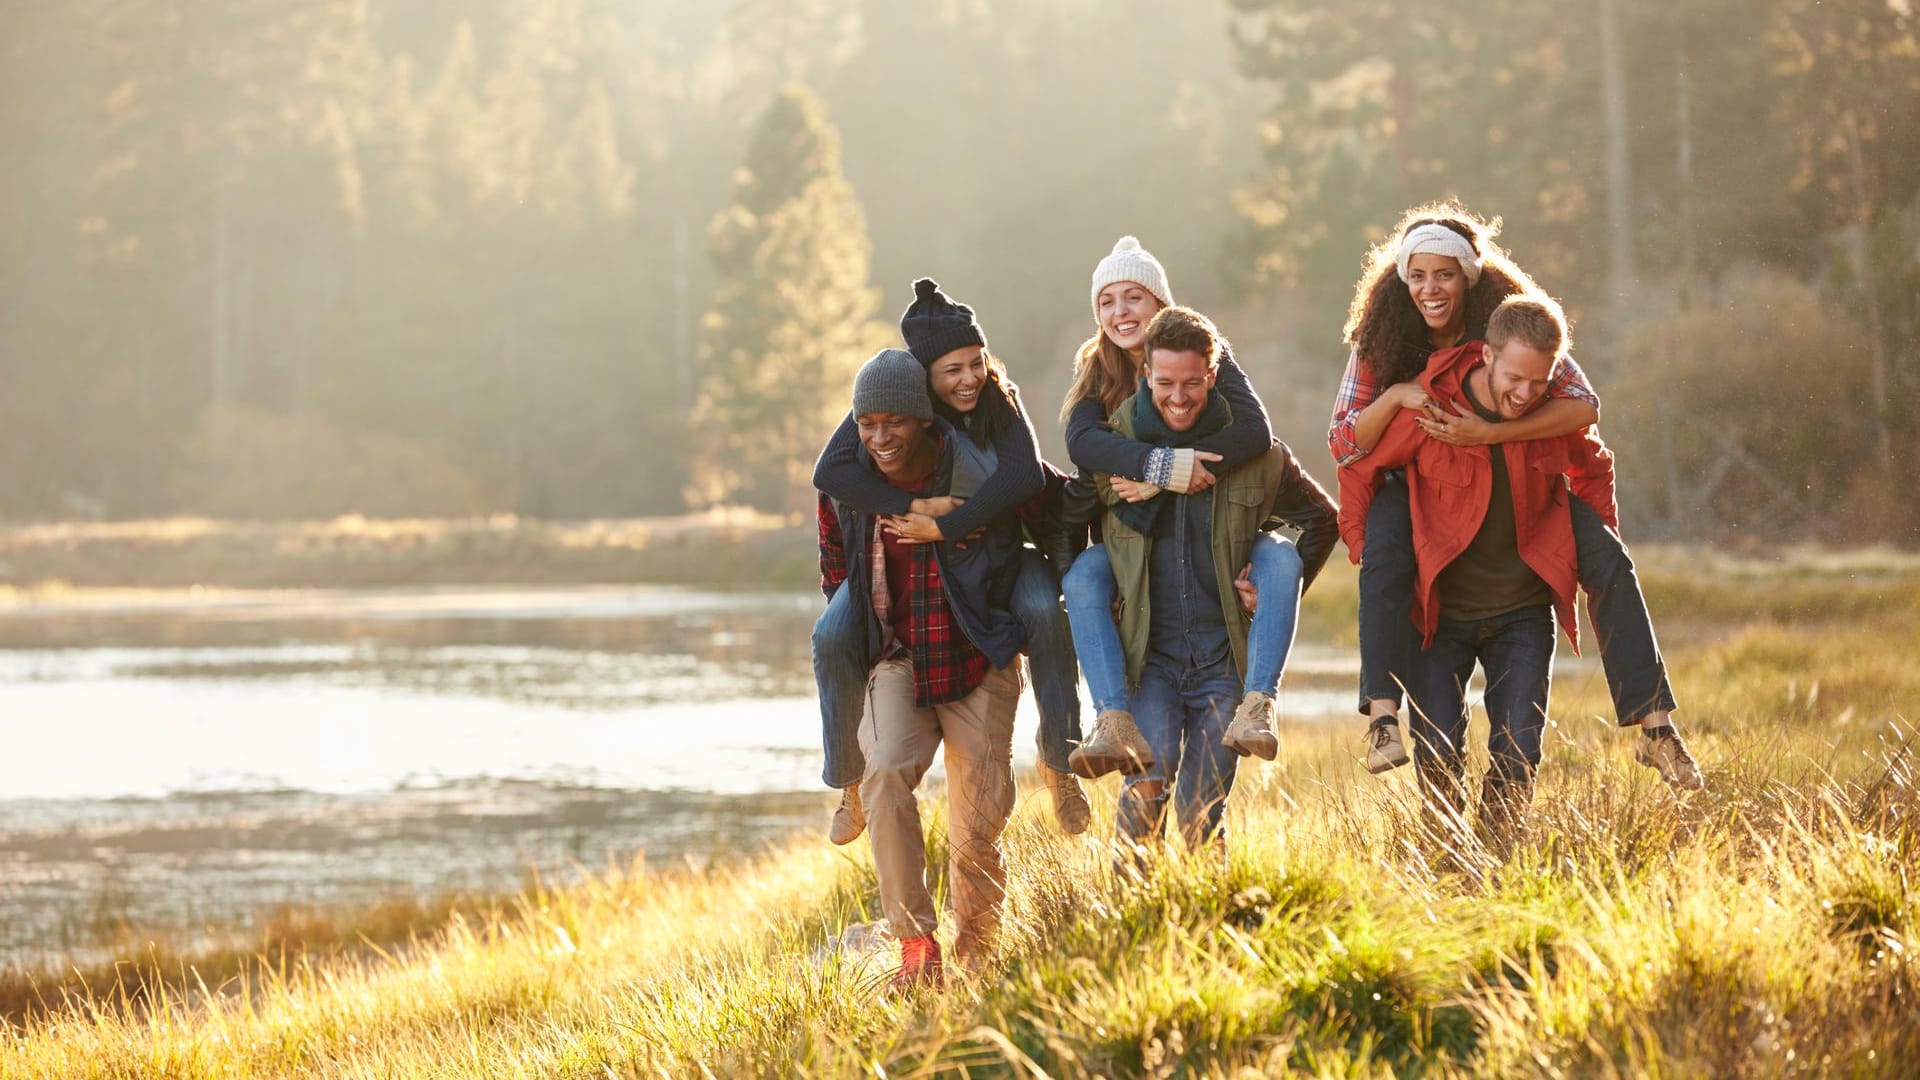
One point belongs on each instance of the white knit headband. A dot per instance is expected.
(1439, 240)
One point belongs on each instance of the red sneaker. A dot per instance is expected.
(919, 965)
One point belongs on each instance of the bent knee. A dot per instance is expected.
(1036, 609)
(889, 777)
(1089, 582)
(1276, 560)
(835, 632)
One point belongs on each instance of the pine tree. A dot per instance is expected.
(792, 315)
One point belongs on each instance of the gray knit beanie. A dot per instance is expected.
(892, 382)
(936, 324)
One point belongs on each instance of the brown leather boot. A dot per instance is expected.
(1116, 744)
(1251, 732)
(1070, 807)
(850, 820)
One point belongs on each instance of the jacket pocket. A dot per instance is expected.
(1552, 462)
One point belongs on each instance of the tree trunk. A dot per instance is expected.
(1619, 170)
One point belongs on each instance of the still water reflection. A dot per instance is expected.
(183, 759)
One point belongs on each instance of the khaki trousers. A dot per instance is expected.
(899, 740)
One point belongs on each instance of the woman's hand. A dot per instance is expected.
(913, 528)
(938, 506)
(1249, 593)
(1202, 479)
(1134, 491)
(1408, 395)
(1458, 429)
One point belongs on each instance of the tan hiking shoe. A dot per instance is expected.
(1252, 729)
(1116, 744)
(1385, 751)
(850, 820)
(1070, 807)
(1668, 755)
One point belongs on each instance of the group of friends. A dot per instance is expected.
(1474, 492)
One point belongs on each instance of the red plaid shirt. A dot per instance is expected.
(1358, 390)
(946, 665)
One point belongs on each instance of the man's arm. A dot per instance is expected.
(1590, 474)
(1301, 502)
(1397, 447)
(833, 555)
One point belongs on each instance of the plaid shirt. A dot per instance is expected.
(1358, 390)
(946, 666)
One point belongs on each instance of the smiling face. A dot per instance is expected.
(1439, 289)
(898, 444)
(958, 377)
(1517, 378)
(1179, 380)
(1125, 307)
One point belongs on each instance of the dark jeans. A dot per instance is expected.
(1636, 672)
(839, 642)
(1390, 643)
(1183, 712)
(1516, 651)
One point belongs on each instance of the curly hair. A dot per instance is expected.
(1384, 326)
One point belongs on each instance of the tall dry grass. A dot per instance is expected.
(1763, 927)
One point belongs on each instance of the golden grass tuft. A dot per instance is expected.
(1765, 926)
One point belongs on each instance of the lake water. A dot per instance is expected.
(182, 760)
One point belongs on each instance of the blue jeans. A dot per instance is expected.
(1277, 571)
(1516, 651)
(1090, 591)
(839, 642)
(1050, 657)
(840, 672)
(1183, 712)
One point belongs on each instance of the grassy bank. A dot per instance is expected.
(353, 552)
(1766, 926)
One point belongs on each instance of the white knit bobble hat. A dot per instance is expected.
(1131, 262)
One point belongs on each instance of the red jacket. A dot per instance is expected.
(1449, 487)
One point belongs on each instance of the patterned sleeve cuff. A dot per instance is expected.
(1159, 466)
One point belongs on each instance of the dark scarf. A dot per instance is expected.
(1148, 427)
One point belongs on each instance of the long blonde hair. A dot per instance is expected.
(1102, 371)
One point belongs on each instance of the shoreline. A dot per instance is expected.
(731, 546)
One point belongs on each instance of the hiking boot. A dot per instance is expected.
(1668, 755)
(1385, 751)
(1252, 729)
(850, 820)
(1116, 744)
(919, 965)
(1070, 807)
